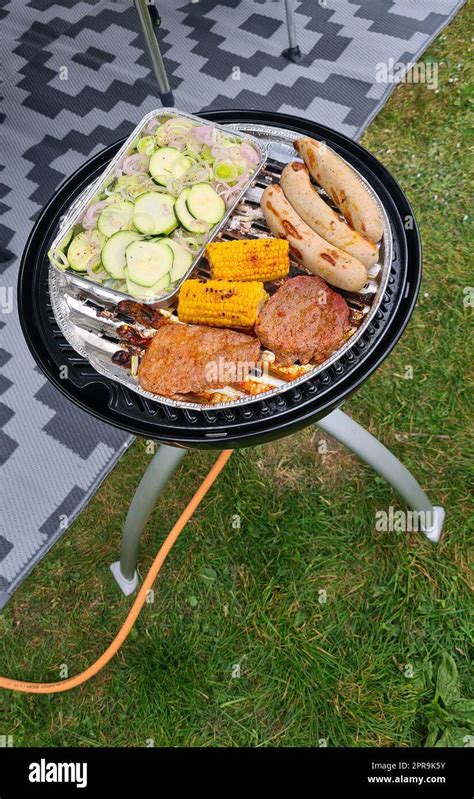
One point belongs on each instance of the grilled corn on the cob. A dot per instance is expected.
(249, 259)
(221, 303)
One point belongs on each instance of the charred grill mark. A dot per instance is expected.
(297, 253)
(227, 296)
(290, 230)
(274, 211)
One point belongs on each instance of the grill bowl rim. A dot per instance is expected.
(94, 395)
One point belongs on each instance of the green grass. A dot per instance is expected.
(310, 669)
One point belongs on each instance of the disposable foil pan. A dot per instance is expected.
(107, 294)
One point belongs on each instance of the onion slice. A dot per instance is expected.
(58, 258)
(89, 219)
(134, 164)
(152, 124)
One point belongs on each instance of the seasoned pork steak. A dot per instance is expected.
(191, 358)
(303, 321)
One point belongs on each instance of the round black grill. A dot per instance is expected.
(244, 425)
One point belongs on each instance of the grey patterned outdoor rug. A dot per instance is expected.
(75, 78)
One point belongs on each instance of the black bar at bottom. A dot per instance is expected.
(379, 772)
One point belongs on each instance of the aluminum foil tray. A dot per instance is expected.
(80, 314)
(75, 212)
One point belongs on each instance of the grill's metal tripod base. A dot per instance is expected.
(365, 445)
(157, 475)
(337, 424)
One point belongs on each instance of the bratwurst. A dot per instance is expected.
(323, 259)
(312, 209)
(343, 186)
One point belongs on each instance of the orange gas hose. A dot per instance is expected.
(170, 540)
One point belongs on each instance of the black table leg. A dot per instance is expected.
(293, 52)
(150, 20)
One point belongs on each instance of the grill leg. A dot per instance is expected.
(147, 14)
(159, 472)
(363, 444)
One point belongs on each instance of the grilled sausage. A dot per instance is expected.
(337, 267)
(304, 198)
(343, 186)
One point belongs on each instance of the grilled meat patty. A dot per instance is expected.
(303, 321)
(190, 358)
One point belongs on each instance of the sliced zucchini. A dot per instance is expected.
(144, 293)
(204, 203)
(187, 220)
(182, 260)
(114, 199)
(148, 261)
(161, 162)
(85, 249)
(113, 253)
(65, 240)
(115, 217)
(154, 213)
